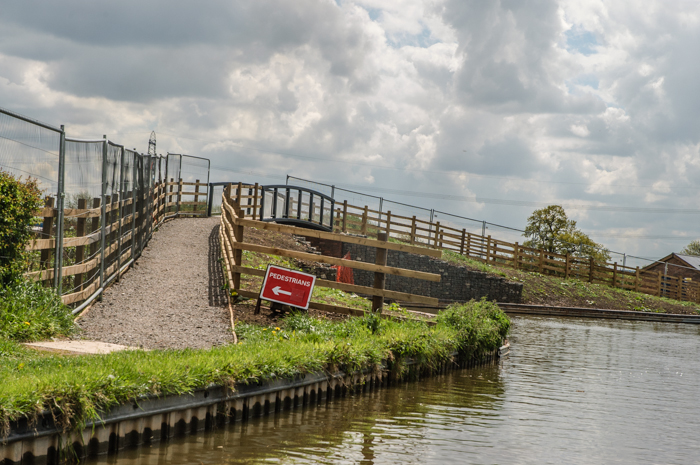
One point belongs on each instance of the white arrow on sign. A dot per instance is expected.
(277, 291)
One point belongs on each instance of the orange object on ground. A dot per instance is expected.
(344, 274)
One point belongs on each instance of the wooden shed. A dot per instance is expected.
(677, 265)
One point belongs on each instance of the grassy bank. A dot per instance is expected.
(30, 312)
(539, 289)
(75, 388)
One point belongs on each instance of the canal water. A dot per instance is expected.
(573, 391)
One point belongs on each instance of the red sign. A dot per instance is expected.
(287, 287)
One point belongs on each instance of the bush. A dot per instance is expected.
(480, 324)
(19, 201)
(30, 312)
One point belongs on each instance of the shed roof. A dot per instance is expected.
(692, 260)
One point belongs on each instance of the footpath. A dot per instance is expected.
(172, 298)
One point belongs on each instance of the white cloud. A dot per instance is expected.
(567, 101)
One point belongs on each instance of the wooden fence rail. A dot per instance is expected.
(414, 231)
(234, 219)
(128, 225)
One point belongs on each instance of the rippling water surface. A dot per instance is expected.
(572, 391)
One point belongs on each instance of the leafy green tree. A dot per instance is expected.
(551, 230)
(19, 201)
(692, 249)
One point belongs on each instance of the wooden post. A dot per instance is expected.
(437, 235)
(413, 230)
(566, 269)
(461, 246)
(345, 216)
(255, 200)
(636, 280)
(469, 243)
(379, 278)
(80, 250)
(388, 223)
(614, 280)
(196, 197)
(516, 255)
(659, 283)
(541, 264)
(46, 234)
(363, 230)
(238, 236)
(94, 226)
(169, 198)
(179, 196)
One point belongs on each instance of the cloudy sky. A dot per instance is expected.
(481, 109)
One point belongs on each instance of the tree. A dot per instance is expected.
(692, 249)
(551, 230)
(19, 201)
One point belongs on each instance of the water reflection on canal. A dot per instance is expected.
(572, 391)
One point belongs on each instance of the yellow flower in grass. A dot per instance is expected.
(277, 329)
(26, 323)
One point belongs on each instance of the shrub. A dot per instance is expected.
(19, 200)
(30, 312)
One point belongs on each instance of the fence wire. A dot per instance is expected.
(99, 202)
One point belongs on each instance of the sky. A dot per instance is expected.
(486, 110)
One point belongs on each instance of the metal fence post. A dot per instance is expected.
(60, 197)
(103, 212)
(120, 210)
(133, 209)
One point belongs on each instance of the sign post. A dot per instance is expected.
(287, 287)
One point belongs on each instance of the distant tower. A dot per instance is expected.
(152, 144)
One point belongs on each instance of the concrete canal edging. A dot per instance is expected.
(153, 419)
(524, 309)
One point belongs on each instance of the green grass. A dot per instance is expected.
(30, 312)
(75, 388)
(460, 260)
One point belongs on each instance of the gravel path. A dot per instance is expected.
(171, 297)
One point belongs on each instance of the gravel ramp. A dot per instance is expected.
(171, 298)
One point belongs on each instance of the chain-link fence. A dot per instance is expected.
(101, 202)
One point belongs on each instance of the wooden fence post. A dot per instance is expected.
(345, 216)
(169, 198)
(516, 255)
(80, 250)
(255, 200)
(46, 234)
(365, 214)
(238, 235)
(614, 278)
(94, 226)
(566, 269)
(541, 264)
(388, 224)
(379, 278)
(196, 197)
(179, 196)
(413, 230)
(590, 270)
(437, 233)
(469, 244)
(461, 246)
(636, 280)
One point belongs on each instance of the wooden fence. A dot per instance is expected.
(414, 231)
(235, 215)
(101, 241)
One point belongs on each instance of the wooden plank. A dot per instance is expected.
(338, 261)
(365, 290)
(336, 237)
